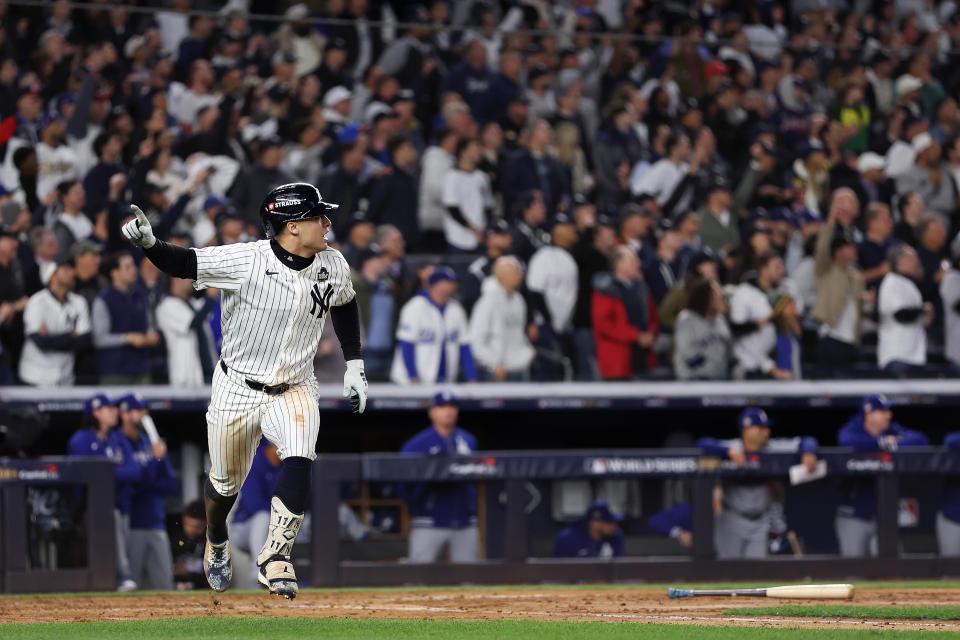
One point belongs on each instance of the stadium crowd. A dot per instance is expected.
(606, 189)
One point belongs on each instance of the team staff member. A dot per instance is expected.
(433, 336)
(56, 322)
(251, 518)
(276, 297)
(748, 510)
(872, 429)
(99, 439)
(596, 535)
(948, 518)
(151, 560)
(444, 514)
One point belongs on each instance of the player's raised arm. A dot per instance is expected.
(172, 260)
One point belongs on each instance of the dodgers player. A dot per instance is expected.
(596, 535)
(948, 518)
(749, 511)
(443, 513)
(151, 562)
(99, 439)
(276, 297)
(870, 430)
(675, 522)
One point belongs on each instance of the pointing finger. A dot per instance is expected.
(141, 218)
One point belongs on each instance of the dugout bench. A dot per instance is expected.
(87, 486)
(515, 469)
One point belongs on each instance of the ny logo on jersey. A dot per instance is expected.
(320, 300)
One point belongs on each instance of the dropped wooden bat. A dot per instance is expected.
(808, 591)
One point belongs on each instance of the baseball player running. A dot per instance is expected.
(276, 296)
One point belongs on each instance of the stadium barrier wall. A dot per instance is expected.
(555, 395)
(16, 574)
(514, 469)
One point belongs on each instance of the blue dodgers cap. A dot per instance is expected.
(875, 402)
(600, 510)
(444, 397)
(131, 401)
(440, 274)
(213, 200)
(753, 417)
(96, 401)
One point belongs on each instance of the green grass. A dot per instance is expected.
(874, 584)
(851, 611)
(306, 629)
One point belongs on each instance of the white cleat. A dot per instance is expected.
(217, 565)
(277, 575)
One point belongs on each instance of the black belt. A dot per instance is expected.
(274, 390)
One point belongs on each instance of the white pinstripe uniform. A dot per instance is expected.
(272, 319)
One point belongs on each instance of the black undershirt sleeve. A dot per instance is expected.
(907, 315)
(173, 260)
(458, 217)
(346, 324)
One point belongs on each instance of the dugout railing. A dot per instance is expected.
(515, 469)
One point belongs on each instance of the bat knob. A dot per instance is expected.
(673, 592)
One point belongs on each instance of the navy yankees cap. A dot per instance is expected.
(600, 510)
(96, 401)
(753, 417)
(875, 402)
(131, 401)
(444, 397)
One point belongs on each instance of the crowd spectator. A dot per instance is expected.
(182, 320)
(624, 319)
(904, 316)
(840, 292)
(751, 318)
(552, 283)
(765, 126)
(498, 336)
(122, 332)
(433, 336)
(468, 199)
(56, 323)
(703, 343)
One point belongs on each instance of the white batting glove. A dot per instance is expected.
(138, 231)
(355, 385)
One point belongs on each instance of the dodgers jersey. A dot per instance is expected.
(272, 315)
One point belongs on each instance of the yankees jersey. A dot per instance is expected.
(51, 367)
(272, 315)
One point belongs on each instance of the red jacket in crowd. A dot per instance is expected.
(616, 337)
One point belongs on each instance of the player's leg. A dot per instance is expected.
(463, 544)
(425, 544)
(756, 538)
(160, 567)
(727, 538)
(948, 536)
(121, 527)
(853, 536)
(292, 422)
(136, 552)
(233, 433)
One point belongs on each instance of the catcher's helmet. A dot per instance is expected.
(289, 202)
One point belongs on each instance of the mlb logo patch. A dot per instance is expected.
(323, 275)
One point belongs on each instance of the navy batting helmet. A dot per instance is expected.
(291, 202)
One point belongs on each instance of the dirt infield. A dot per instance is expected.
(612, 605)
